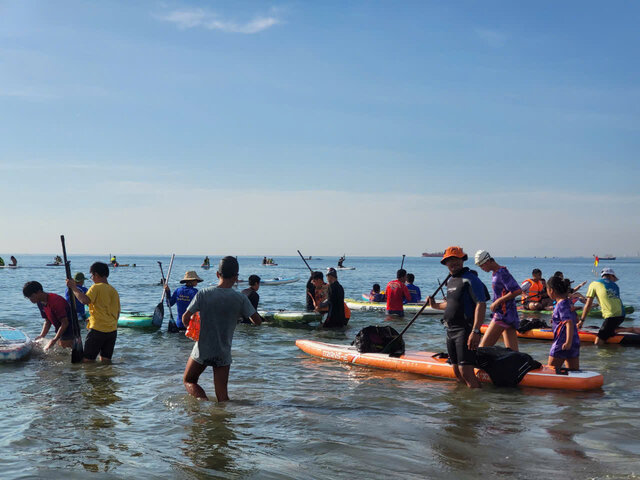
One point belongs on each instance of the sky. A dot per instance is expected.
(358, 127)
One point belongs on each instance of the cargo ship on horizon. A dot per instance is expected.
(433, 254)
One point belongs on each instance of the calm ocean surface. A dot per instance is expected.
(294, 416)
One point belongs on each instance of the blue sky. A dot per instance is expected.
(382, 126)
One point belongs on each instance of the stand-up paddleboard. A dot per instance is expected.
(341, 268)
(367, 306)
(427, 363)
(290, 318)
(594, 312)
(586, 334)
(279, 281)
(55, 265)
(138, 320)
(269, 264)
(14, 344)
(10, 266)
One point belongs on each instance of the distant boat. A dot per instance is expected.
(605, 257)
(434, 254)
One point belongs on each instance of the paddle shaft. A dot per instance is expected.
(77, 351)
(173, 255)
(305, 262)
(417, 314)
(402, 264)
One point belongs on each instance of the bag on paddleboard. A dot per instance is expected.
(505, 367)
(530, 323)
(373, 339)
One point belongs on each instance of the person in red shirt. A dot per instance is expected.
(396, 292)
(55, 311)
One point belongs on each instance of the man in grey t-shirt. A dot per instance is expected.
(219, 307)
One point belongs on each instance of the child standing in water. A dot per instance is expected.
(566, 342)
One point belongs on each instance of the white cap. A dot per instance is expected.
(481, 257)
(608, 271)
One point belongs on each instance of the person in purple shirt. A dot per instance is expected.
(566, 342)
(183, 295)
(504, 318)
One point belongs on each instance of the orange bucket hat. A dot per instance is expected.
(453, 252)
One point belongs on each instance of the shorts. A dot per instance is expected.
(399, 313)
(459, 353)
(68, 333)
(608, 328)
(99, 342)
(215, 363)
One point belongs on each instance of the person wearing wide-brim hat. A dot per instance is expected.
(464, 311)
(79, 279)
(611, 305)
(184, 294)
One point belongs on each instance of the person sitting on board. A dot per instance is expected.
(375, 295)
(114, 262)
(464, 312)
(57, 260)
(534, 292)
(184, 295)
(566, 341)
(104, 310)
(414, 290)
(55, 311)
(14, 261)
(1, 262)
(504, 313)
(396, 293)
(252, 294)
(264, 260)
(219, 308)
(206, 262)
(334, 304)
(613, 313)
(79, 278)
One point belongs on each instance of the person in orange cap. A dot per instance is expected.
(464, 311)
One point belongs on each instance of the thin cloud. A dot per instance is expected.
(493, 38)
(199, 18)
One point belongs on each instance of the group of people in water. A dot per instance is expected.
(220, 308)
(13, 262)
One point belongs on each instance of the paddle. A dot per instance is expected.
(77, 352)
(389, 347)
(305, 262)
(172, 327)
(158, 313)
(402, 264)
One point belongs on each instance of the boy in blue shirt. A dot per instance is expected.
(183, 295)
(79, 278)
(413, 289)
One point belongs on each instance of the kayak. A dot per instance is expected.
(368, 306)
(269, 264)
(136, 320)
(428, 363)
(279, 281)
(55, 265)
(341, 268)
(8, 266)
(594, 312)
(586, 334)
(290, 318)
(14, 344)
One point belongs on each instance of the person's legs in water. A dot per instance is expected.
(220, 382)
(192, 373)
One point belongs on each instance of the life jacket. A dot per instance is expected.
(347, 312)
(534, 294)
(193, 330)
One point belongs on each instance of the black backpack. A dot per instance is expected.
(373, 339)
(530, 323)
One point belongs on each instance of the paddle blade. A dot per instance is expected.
(77, 352)
(172, 327)
(158, 315)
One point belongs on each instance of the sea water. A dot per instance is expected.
(295, 416)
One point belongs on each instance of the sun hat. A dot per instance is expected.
(453, 252)
(608, 271)
(191, 275)
(482, 256)
(79, 277)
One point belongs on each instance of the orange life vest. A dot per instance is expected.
(193, 330)
(534, 294)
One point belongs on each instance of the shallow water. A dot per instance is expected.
(294, 416)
